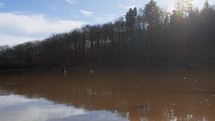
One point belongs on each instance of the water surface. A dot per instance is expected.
(108, 95)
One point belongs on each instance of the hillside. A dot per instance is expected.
(145, 37)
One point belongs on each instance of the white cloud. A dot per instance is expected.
(20, 108)
(8, 39)
(24, 109)
(127, 6)
(72, 2)
(106, 18)
(133, 1)
(6, 101)
(1, 4)
(86, 13)
(19, 28)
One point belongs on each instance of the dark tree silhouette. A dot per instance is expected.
(149, 36)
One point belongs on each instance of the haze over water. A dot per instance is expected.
(108, 95)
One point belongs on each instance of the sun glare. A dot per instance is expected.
(198, 3)
(195, 3)
(170, 8)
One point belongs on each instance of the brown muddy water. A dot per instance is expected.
(108, 95)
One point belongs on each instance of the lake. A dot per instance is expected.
(108, 94)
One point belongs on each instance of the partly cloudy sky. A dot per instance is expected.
(30, 20)
(19, 108)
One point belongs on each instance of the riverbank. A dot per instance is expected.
(207, 66)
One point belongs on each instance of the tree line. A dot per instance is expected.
(149, 36)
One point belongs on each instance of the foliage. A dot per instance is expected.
(147, 37)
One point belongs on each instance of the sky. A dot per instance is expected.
(20, 108)
(31, 20)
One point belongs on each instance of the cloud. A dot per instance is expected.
(8, 39)
(86, 13)
(24, 109)
(106, 18)
(18, 28)
(127, 6)
(72, 2)
(133, 1)
(1, 4)
(19, 108)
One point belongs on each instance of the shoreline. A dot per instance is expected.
(18, 68)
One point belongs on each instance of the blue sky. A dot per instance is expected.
(29, 20)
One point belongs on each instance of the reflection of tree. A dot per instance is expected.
(117, 91)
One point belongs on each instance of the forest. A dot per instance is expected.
(144, 37)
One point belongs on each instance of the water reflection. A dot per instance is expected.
(135, 95)
(19, 108)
